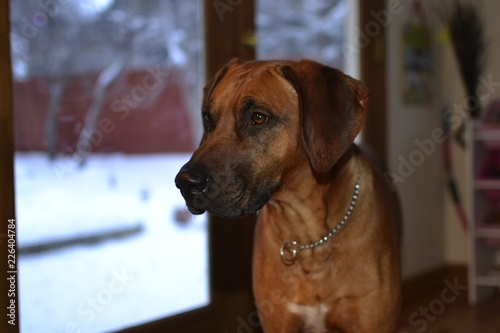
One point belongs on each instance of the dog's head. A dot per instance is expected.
(262, 120)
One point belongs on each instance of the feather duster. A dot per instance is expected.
(466, 29)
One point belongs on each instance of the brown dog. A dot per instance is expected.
(278, 139)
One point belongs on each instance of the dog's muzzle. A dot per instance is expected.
(227, 193)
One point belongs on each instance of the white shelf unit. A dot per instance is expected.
(483, 201)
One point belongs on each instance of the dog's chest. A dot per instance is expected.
(313, 316)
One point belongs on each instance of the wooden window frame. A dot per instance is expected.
(7, 208)
(373, 75)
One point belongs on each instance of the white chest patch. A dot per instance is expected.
(314, 316)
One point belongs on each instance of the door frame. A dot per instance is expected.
(7, 207)
(373, 75)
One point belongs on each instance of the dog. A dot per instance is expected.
(278, 140)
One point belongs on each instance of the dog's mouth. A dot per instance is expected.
(195, 210)
(235, 206)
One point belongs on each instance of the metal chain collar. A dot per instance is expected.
(289, 250)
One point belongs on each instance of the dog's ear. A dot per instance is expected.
(333, 108)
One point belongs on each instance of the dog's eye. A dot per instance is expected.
(206, 118)
(258, 118)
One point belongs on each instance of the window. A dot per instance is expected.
(106, 99)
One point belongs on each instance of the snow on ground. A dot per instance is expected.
(118, 283)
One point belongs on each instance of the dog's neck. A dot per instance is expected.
(297, 211)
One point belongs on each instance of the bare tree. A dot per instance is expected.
(104, 81)
(80, 39)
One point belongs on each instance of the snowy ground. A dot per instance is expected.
(119, 283)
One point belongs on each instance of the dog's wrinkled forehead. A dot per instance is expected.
(260, 80)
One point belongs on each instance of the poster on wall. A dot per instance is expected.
(417, 59)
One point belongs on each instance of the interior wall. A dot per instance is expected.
(419, 171)
(456, 242)
(432, 232)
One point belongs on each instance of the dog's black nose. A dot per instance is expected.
(192, 180)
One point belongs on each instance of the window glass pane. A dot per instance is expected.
(319, 30)
(106, 104)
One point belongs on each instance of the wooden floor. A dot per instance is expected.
(445, 310)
